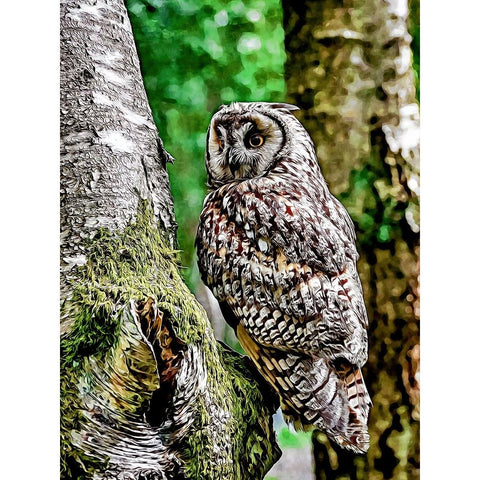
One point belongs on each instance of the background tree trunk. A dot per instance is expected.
(146, 391)
(349, 70)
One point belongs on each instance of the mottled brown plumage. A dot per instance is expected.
(278, 252)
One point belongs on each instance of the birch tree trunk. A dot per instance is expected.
(146, 391)
(349, 70)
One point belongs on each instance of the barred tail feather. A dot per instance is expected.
(357, 394)
(309, 390)
(359, 404)
(314, 394)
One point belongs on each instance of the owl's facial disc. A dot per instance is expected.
(241, 146)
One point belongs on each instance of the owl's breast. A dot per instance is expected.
(224, 250)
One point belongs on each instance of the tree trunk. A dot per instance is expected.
(349, 69)
(146, 391)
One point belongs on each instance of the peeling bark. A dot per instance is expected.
(349, 70)
(146, 391)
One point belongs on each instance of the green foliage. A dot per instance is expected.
(289, 439)
(194, 57)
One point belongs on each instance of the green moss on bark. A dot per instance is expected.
(107, 369)
(122, 266)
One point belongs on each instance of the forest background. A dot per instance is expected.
(196, 56)
(42, 180)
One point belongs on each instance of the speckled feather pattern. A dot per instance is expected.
(278, 252)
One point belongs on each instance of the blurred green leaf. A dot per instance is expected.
(383, 233)
(289, 439)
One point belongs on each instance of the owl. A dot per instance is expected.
(277, 250)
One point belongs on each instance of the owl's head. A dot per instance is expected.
(245, 139)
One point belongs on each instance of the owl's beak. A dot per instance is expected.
(232, 162)
(234, 166)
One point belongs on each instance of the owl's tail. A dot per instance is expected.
(359, 404)
(314, 394)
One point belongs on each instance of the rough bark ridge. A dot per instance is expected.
(146, 391)
(349, 70)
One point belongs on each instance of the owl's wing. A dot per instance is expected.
(309, 224)
(302, 264)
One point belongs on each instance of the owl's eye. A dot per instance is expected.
(256, 140)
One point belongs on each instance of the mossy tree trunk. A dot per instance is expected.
(349, 69)
(146, 391)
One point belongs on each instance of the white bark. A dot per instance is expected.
(109, 142)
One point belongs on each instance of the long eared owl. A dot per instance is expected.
(277, 249)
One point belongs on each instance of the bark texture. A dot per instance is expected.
(146, 391)
(110, 148)
(349, 70)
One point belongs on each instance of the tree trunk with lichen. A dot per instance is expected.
(146, 391)
(349, 70)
